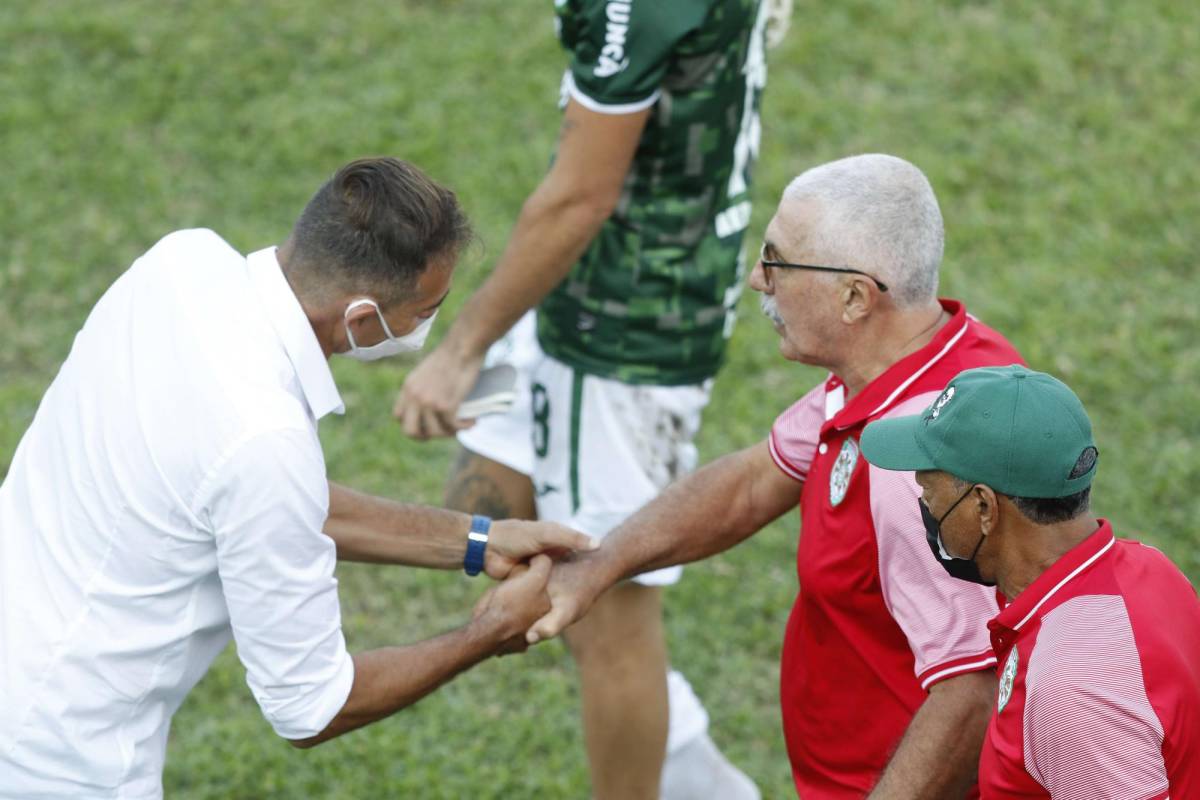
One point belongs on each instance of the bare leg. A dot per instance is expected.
(478, 485)
(622, 659)
(618, 647)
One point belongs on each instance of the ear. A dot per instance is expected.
(359, 313)
(987, 507)
(858, 297)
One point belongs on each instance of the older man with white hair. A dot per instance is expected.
(888, 674)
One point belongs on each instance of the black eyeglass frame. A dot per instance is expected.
(766, 262)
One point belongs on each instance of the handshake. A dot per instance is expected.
(550, 576)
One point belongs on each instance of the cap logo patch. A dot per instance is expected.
(939, 404)
(1007, 679)
(843, 468)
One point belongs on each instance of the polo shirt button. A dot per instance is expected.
(823, 448)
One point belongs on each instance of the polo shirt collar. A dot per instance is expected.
(295, 333)
(1055, 579)
(888, 389)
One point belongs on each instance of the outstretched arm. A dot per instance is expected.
(377, 530)
(556, 224)
(705, 513)
(391, 678)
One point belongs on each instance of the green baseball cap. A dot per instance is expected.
(1021, 432)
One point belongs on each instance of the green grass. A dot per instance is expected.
(1060, 138)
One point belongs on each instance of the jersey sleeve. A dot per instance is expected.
(796, 432)
(621, 49)
(1091, 733)
(276, 565)
(944, 618)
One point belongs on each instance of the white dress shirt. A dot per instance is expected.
(171, 490)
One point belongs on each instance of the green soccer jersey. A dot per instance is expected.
(652, 299)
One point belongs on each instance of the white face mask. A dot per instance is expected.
(391, 345)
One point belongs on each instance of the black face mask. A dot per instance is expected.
(965, 569)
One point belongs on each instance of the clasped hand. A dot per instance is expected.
(538, 600)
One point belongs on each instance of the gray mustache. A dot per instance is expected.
(767, 303)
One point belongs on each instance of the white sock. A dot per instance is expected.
(698, 771)
(687, 718)
(695, 769)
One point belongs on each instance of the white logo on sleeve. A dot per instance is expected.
(1007, 678)
(843, 468)
(612, 55)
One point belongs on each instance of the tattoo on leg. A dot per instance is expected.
(477, 494)
(473, 492)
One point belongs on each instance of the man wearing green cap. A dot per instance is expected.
(1097, 698)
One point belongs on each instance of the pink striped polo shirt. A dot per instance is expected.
(877, 621)
(1100, 685)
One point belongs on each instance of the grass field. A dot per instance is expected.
(1060, 137)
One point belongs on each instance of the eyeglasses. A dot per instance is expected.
(766, 262)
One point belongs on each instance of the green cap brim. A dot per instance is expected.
(892, 444)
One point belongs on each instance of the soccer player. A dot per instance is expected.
(631, 249)
(887, 674)
(1099, 691)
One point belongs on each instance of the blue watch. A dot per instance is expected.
(477, 539)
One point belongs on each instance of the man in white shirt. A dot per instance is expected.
(171, 491)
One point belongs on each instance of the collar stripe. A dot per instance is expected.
(1063, 582)
(928, 364)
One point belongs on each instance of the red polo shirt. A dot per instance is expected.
(1100, 691)
(877, 620)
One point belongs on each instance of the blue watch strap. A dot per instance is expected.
(477, 539)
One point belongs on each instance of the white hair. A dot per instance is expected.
(875, 213)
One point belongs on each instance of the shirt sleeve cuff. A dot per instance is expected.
(959, 666)
(591, 104)
(322, 708)
(784, 465)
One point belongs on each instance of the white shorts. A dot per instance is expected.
(596, 449)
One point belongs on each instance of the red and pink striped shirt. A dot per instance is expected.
(877, 621)
(1100, 686)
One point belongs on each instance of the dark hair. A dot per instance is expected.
(1049, 510)
(374, 227)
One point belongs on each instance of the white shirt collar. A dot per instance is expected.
(295, 331)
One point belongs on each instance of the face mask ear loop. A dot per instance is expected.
(386, 330)
(365, 301)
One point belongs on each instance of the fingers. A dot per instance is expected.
(427, 405)
(520, 539)
(550, 625)
(560, 537)
(436, 422)
(409, 416)
(427, 420)
(539, 570)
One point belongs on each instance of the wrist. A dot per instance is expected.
(477, 542)
(486, 633)
(605, 567)
(465, 344)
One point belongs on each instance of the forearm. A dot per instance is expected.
(554, 228)
(939, 754)
(376, 530)
(710, 511)
(391, 678)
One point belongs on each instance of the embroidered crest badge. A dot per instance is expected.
(843, 468)
(1007, 678)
